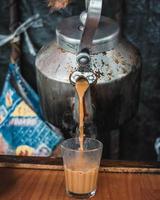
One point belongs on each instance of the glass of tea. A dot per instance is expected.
(81, 166)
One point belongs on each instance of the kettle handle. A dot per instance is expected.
(83, 56)
(94, 8)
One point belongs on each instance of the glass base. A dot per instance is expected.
(81, 196)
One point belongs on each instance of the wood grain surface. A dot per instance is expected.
(29, 184)
(54, 163)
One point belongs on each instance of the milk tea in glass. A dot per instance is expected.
(81, 166)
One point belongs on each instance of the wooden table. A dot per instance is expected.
(28, 184)
(46, 181)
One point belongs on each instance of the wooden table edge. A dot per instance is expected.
(52, 163)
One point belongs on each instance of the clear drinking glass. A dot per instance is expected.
(81, 167)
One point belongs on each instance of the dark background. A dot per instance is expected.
(140, 23)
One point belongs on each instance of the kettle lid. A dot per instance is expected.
(69, 33)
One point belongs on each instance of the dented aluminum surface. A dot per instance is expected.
(114, 97)
(57, 64)
(113, 100)
(108, 66)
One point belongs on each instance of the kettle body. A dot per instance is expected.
(114, 98)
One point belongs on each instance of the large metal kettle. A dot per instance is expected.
(89, 46)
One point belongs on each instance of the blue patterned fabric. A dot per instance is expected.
(20, 125)
(25, 89)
